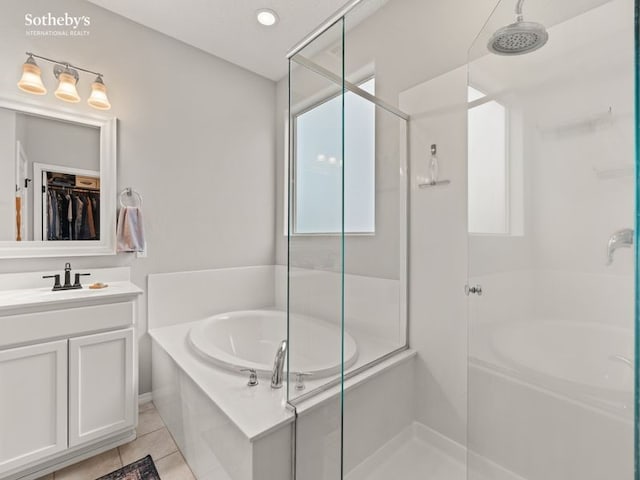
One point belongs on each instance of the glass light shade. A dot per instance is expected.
(67, 88)
(98, 98)
(31, 82)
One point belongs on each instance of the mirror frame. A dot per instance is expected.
(108, 190)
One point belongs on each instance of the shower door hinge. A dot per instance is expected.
(476, 290)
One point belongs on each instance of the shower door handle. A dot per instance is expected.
(476, 290)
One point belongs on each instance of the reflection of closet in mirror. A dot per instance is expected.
(69, 206)
(65, 147)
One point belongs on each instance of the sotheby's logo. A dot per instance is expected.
(60, 25)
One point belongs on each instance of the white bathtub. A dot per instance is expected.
(250, 338)
(592, 358)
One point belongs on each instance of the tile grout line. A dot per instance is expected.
(184, 460)
(151, 431)
(159, 458)
(178, 451)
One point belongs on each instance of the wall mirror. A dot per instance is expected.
(57, 182)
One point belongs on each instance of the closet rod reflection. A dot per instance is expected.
(73, 189)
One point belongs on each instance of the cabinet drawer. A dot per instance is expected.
(87, 182)
(69, 322)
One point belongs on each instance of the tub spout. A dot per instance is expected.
(621, 238)
(278, 365)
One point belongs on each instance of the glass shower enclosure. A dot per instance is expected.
(552, 185)
(546, 388)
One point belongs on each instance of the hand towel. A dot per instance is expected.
(130, 231)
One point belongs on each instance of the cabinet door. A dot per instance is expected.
(33, 403)
(101, 385)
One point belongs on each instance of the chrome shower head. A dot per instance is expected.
(518, 38)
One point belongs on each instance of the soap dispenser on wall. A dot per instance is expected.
(433, 172)
(433, 165)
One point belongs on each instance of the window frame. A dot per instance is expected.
(291, 168)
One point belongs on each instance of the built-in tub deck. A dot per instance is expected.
(256, 411)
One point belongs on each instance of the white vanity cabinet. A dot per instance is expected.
(101, 393)
(33, 403)
(68, 376)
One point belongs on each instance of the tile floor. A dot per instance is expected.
(153, 439)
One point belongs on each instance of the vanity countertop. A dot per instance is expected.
(29, 292)
(24, 298)
(31, 312)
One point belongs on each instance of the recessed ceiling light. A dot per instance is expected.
(267, 17)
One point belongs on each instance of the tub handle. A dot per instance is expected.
(300, 379)
(253, 376)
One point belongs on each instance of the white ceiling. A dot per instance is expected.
(228, 28)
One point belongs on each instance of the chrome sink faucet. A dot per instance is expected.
(621, 238)
(278, 365)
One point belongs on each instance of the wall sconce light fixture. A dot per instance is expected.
(68, 76)
(31, 82)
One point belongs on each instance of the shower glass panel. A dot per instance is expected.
(375, 270)
(374, 311)
(551, 202)
(314, 283)
(347, 247)
(315, 252)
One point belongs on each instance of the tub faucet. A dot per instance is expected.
(621, 238)
(278, 365)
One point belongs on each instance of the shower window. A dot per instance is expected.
(495, 186)
(318, 165)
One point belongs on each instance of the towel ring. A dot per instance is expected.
(131, 194)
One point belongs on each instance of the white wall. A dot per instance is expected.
(195, 138)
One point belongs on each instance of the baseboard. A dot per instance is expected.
(145, 398)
